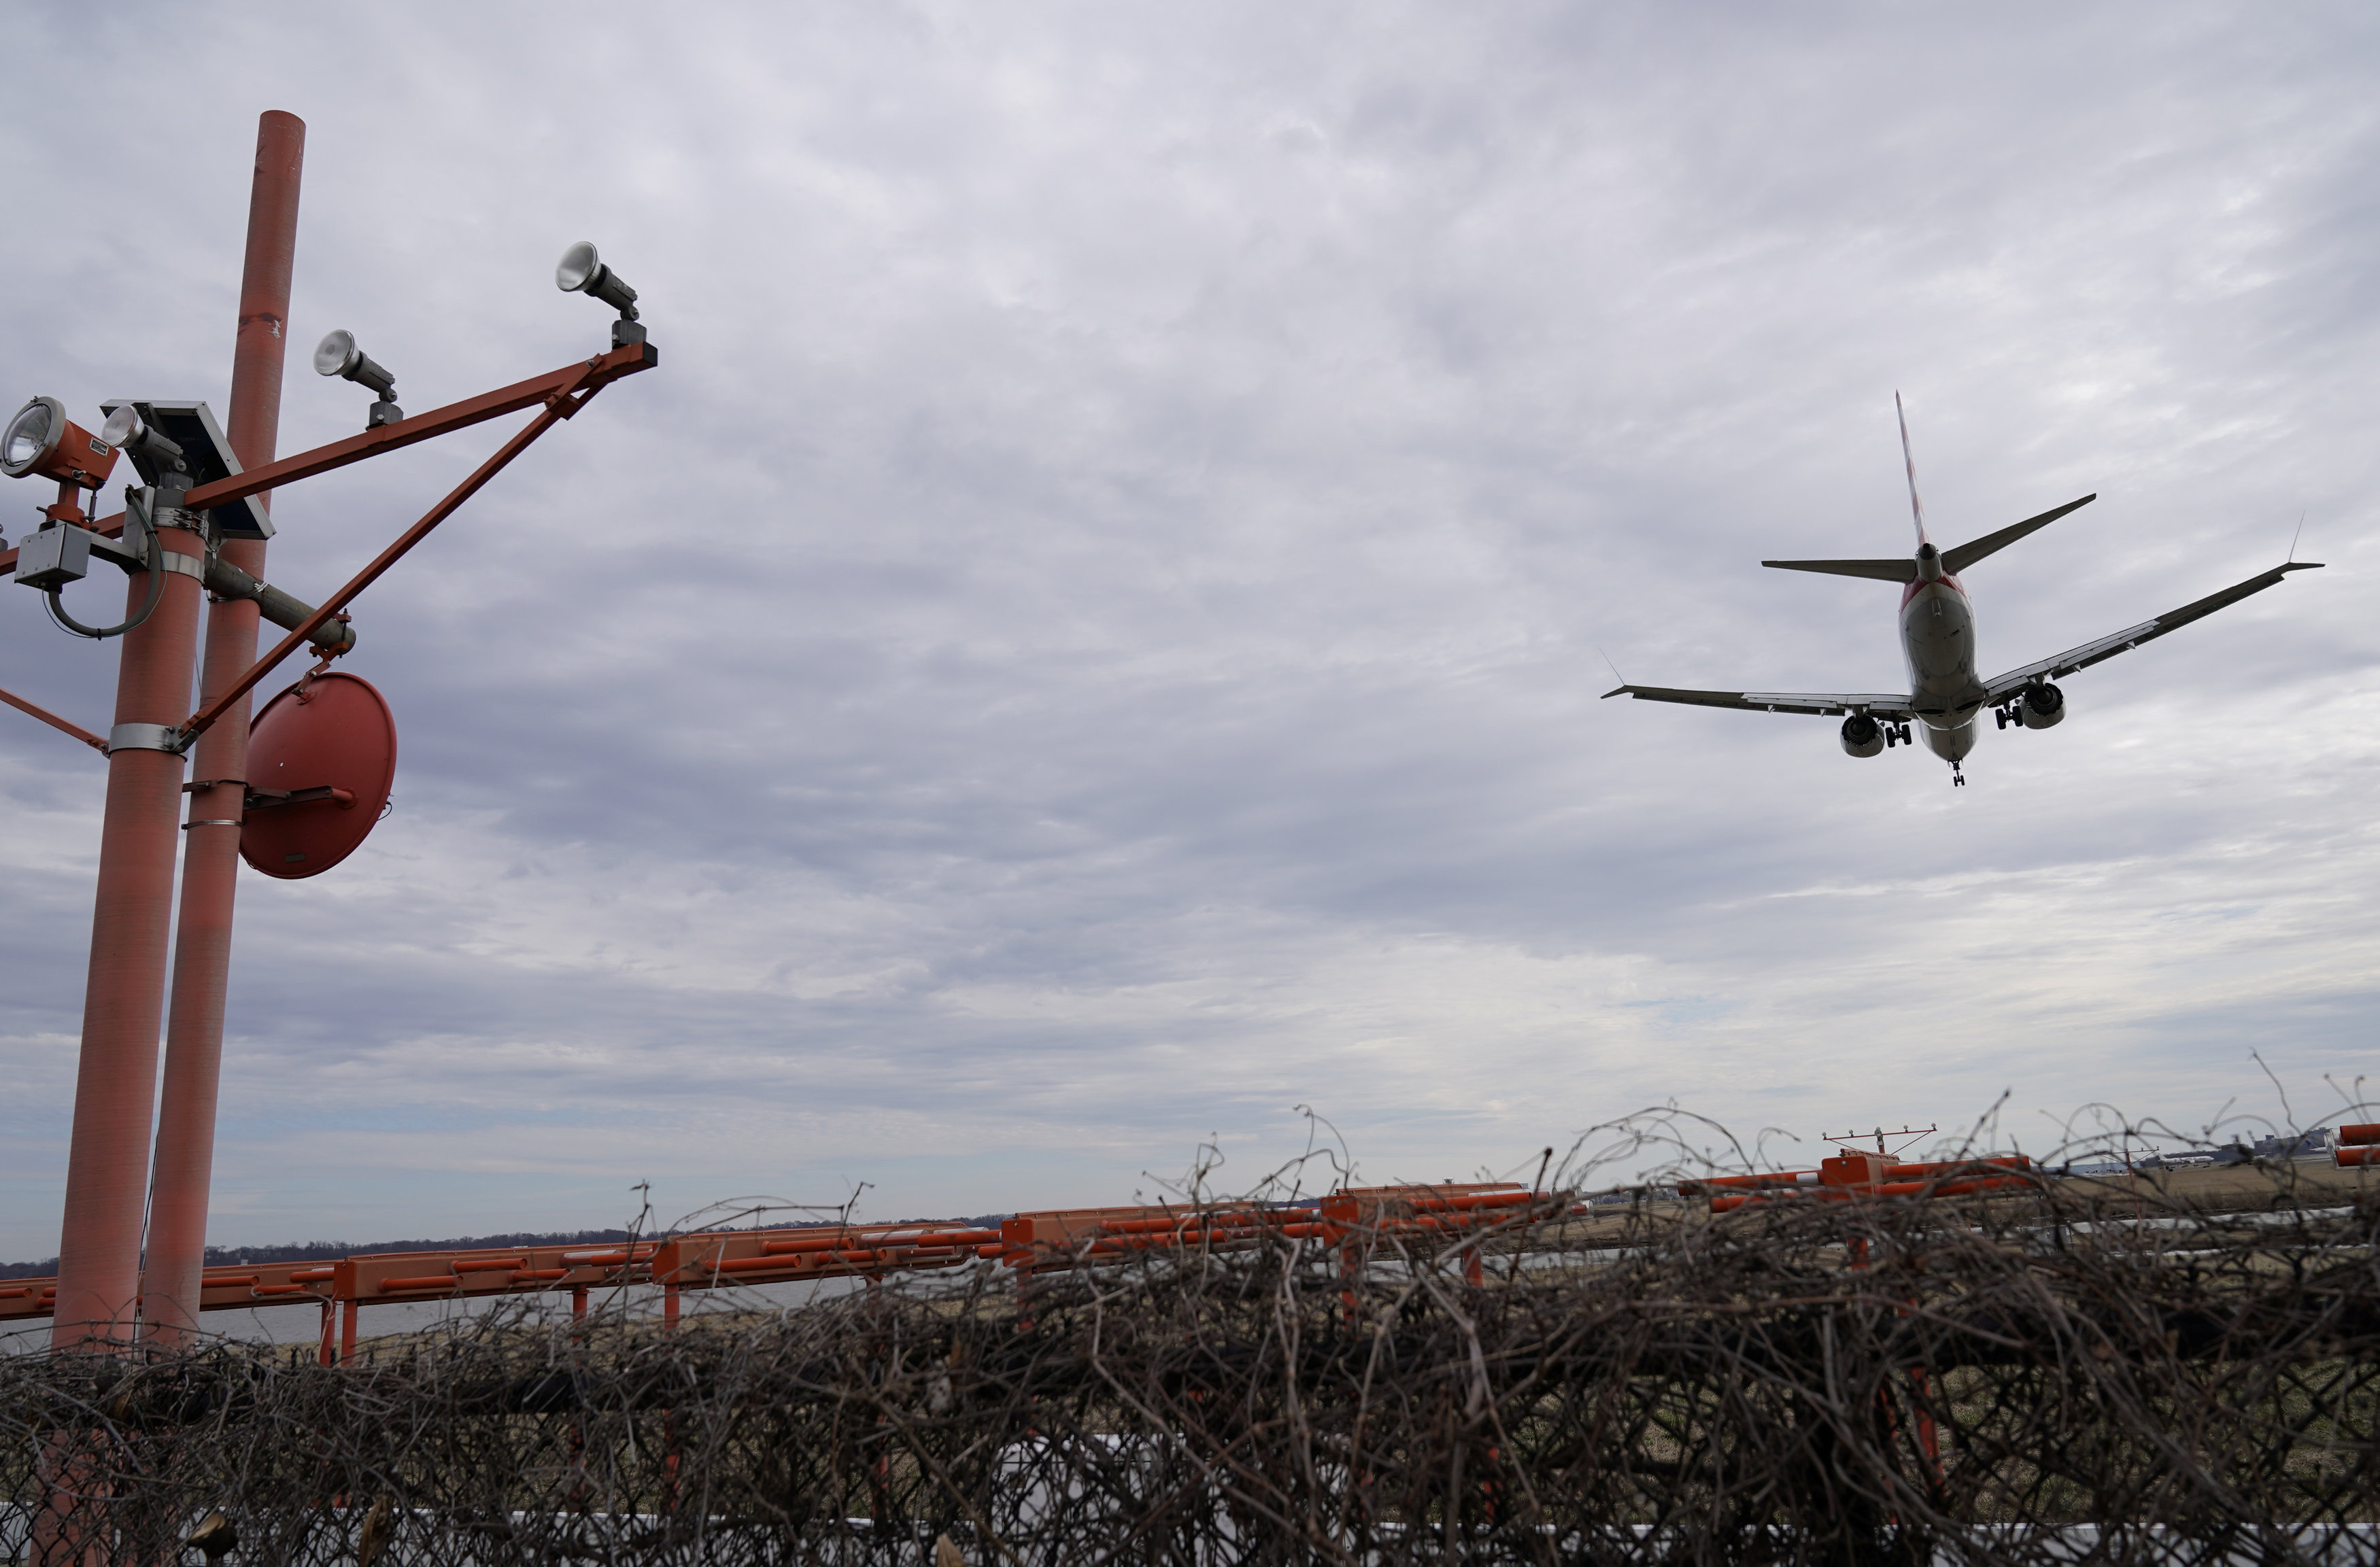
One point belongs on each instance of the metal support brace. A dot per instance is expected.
(228, 581)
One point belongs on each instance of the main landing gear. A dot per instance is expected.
(1958, 779)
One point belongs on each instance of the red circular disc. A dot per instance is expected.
(320, 757)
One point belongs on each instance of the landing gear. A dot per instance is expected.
(1958, 779)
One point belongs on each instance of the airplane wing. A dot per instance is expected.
(2132, 636)
(1819, 704)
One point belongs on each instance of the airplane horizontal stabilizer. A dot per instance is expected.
(1900, 570)
(1957, 560)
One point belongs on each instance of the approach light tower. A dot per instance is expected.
(194, 530)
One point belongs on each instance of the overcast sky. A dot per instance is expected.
(1089, 639)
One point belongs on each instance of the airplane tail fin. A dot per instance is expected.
(1957, 560)
(1916, 506)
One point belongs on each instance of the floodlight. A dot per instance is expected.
(42, 442)
(151, 450)
(583, 272)
(180, 446)
(337, 355)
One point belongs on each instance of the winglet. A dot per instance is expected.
(1617, 691)
(1916, 506)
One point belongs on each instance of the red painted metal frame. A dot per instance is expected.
(107, 1162)
(601, 371)
(1359, 1220)
(54, 721)
(1856, 1175)
(564, 390)
(563, 393)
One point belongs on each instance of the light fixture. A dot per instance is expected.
(581, 271)
(42, 442)
(337, 355)
(151, 451)
(176, 445)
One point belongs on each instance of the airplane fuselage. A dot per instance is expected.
(1938, 640)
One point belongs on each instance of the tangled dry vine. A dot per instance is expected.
(2077, 1370)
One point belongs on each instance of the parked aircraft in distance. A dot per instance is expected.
(1938, 640)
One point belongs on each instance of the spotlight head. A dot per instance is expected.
(151, 450)
(581, 271)
(42, 442)
(337, 355)
(176, 445)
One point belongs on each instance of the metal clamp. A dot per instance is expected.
(213, 821)
(189, 566)
(147, 737)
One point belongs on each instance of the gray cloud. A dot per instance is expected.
(1090, 638)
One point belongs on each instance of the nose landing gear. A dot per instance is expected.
(1958, 779)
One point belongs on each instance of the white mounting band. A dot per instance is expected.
(214, 822)
(189, 566)
(147, 737)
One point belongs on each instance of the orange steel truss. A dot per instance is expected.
(1359, 1220)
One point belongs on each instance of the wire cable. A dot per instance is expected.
(156, 569)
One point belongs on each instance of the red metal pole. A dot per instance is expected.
(194, 1021)
(115, 1080)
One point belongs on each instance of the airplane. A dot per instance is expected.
(1938, 640)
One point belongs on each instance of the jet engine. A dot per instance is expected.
(1863, 737)
(2042, 706)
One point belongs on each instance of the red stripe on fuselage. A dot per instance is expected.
(1945, 580)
